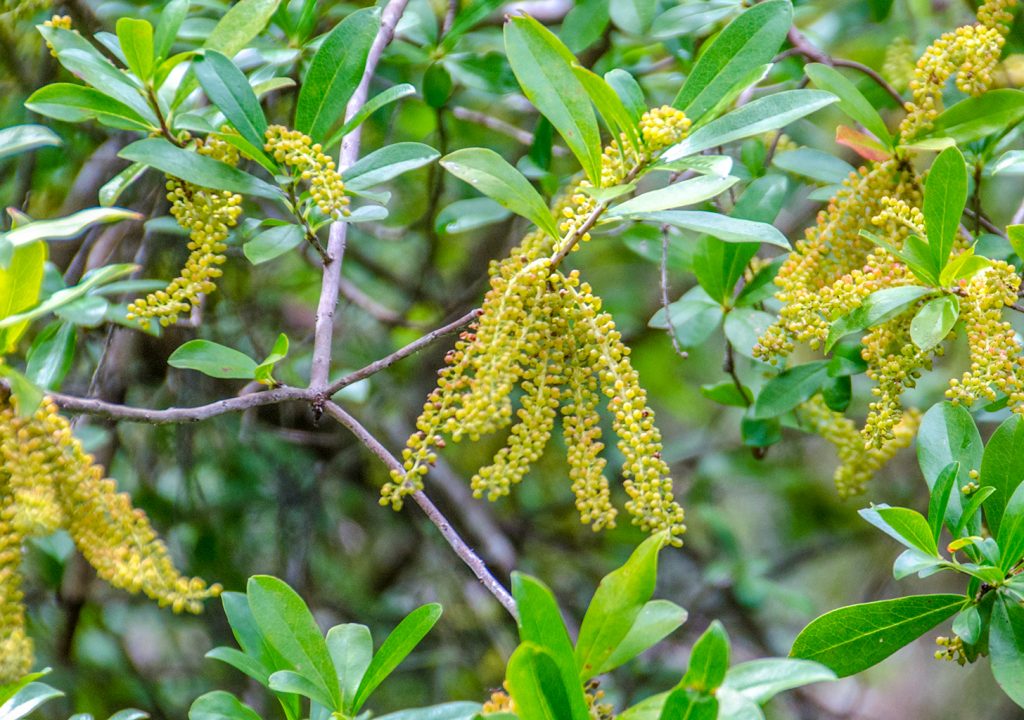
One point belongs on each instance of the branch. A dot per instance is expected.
(113, 411)
(804, 47)
(473, 561)
(330, 286)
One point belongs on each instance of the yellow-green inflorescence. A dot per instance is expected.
(299, 153)
(833, 269)
(207, 215)
(48, 482)
(545, 331)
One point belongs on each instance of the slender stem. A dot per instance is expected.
(804, 47)
(473, 561)
(330, 286)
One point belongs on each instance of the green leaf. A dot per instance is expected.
(389, 162)
(608, 104)
(789, 389)
(709, 660)
(1002, 468)
(758, 116)
(975, 118)
(971, 509)
(243, 663)
(905, 525)
(289, 681)
(543, 67)
(264, 371)
(386, 97)
(66, 228)
(748, 42)
(50, 357)
(77, 103)
(172, 15)
(470, 214)
(197, 169)
(538, 687)
(437, 85)
(27, 700)
(632, 16)
(1006, 646)
(136, 39)
(684, 704)
(934, 320)
(615, 607)
(656, 621)
(856, 637)
(213, 359)
(63, 297)
(23, 138)
(814, 164)
(851, 101)
(948, 434)
(877, 308)
(467, 18)
(241, 23)
(489, 173)
(351, 649)
(231, 92)
(761, 680)
(28, 396)
(629, 92)
(938, 500)
(111, 190)
(1011, 531)
(402, 641)
(678, 194)
(220, 705)
(945, 196)
(725, 228)
(289, 627)
(20, 283)
(445, 711)
(273, 242)
(694, 317)
(335, 72)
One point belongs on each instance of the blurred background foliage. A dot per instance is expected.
(769, 544)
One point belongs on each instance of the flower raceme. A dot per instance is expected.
(48, 482)
(545, 331)
(833, 269)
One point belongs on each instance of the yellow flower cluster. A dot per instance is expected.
(48, 482)
(857, 463)
(971, 53)
(544, 331)
(953, 650)
(996, 358)
(208, 215)
(297, 151)
(501, 702)
(57, 21)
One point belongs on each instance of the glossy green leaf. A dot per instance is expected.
(77, 103)
(231, 92)
(761, 680)
(722, 227)
(684, 704)
(213, 359)
(136, 39)
(288, 626)
(934, 320)
(656, 621)
(877, 308)
(220, 705)
(241, 23)
(948, 434)
(538, 687)
(758, 116)
(851, 100)
(470, 214)
(389, 162)
(974, 118)
(1006, 646)
(679, 194)
(27, 700)
(748, 42)
(543, 67)
(971, 508)
(629, 92)
(23, 138)
(1002, 468)
(445, 711)
(789, 389)
(172, 15)
(468, 17)
(351, 649)
(814, 164)
(489, 173)
(335, 72)
(50, 356)
(402, 641)
(633, 16)
(904, 525)
(854, 638)
(20, 283)
(68, 227)
(693, 317)
(242, 662)
(945, 195)
(938, 499)
(385, 97)
(264, 370)
(273, 242)
(1011, 531)
(112, 189)
(615, 607)
(197, 169)
(609, 105)
(709, 660)
(289, 681)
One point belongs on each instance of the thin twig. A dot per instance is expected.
(524, 137)
(473, 561)
(804, 47)
(330, 287)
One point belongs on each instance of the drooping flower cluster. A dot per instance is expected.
(898, 66)
(208, 215)
(48, 482)
(297, 151)
(545, 331)
(833, 269)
